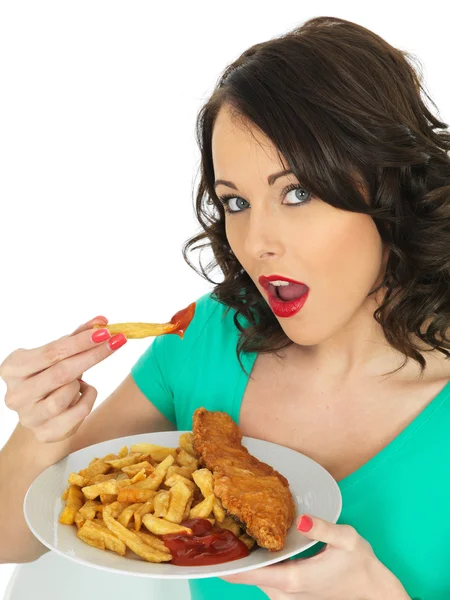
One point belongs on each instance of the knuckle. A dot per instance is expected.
(291, 584)
(43, 435)
(9, 399)
(53, 353)
(60, 374)
(7, 367)
(53, 406)
(353, 537)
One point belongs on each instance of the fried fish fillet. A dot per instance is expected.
(251, 491)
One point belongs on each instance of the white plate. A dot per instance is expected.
(314, 490)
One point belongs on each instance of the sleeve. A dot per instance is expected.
(151, 375)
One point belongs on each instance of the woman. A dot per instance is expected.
(329, 119)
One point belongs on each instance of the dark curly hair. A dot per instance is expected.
(336, 99)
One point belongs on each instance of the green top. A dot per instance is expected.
(398, 500)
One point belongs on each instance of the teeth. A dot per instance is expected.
(279, 283)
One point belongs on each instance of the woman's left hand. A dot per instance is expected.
(345, 569)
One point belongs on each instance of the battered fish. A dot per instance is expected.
(251, 491)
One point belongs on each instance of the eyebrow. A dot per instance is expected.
(270, 180)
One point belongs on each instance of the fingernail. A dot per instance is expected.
(99, 320)
(100, 335)
(117, 341)
(305, 523)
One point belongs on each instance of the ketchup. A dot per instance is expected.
(207, 545)
(181, 320)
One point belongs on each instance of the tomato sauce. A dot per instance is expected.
(182, 319)
(207, 545)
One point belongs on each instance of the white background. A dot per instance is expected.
(98, 158)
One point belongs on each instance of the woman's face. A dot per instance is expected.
(337, 254)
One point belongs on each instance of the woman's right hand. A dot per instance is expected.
(44, 384)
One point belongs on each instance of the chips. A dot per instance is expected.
(129, 499)
(177, 325)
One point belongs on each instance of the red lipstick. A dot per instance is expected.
(281, 307)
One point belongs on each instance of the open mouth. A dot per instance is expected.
(287, 293)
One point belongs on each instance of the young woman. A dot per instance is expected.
(321, 168)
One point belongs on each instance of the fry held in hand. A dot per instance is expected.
(178, 325)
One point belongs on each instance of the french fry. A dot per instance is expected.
(158, 453)
(187, 509)
(74, 502)
(102, 538)
(179, 496)
(175, 478)
(115, 509)
(152, 540)
(183, 471)
(248, 541)
(93, 539)
(109, 457)
(203, 509)
(154, 480)
(186, 460)
(96, 468)
(108, 498)
(161, 503)
(126, 461)
(66, 491)
(132, 540)
(128, 513)
(204, 479)
(231, 525)
(161, 526)
(186, 442)
(218, 510)
(90, 509)
(133, 470)
(145, 508)
(79, 480)
(130, 494)
(112, 486)
(100, 478)
(139, 330)
(123, 452)
(79, 520)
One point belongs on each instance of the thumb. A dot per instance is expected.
(339, 536)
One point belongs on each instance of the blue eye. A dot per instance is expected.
(226, 198)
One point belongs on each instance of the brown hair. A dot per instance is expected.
(336, 99)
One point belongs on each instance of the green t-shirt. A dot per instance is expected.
(398, 500)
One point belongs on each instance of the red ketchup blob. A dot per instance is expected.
(207, 545)
(182, 319)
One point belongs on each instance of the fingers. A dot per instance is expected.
(68, 422)
(64, 371)
(39, 359)
(100, 320)
(36, 414)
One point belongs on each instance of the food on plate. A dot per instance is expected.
(164, 505)
(178, 325)
(255, 495)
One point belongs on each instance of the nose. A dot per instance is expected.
(263, 237)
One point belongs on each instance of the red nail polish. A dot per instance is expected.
(117, 341)
(101, 335)
(305, 523)
(99, 320)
